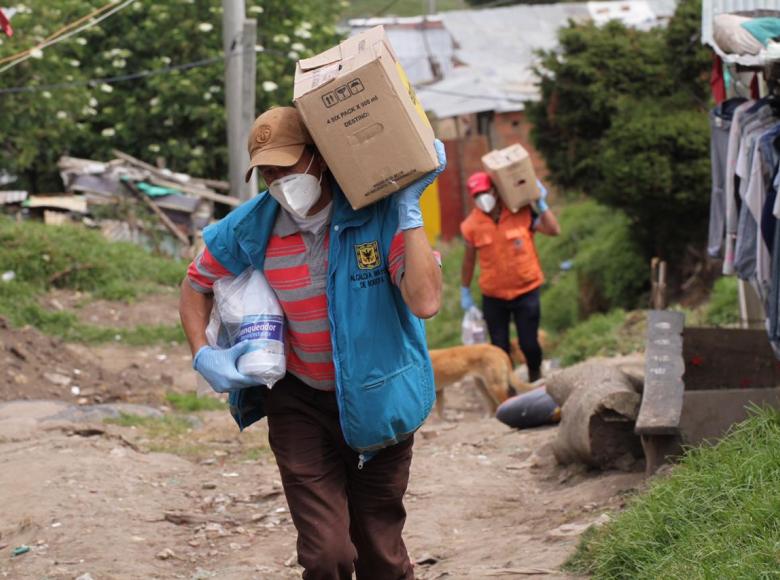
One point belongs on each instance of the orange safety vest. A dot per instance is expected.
(508, 264)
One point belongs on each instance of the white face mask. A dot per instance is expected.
(297, 192)
(486, 202)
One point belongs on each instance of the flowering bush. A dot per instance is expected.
(177, 115)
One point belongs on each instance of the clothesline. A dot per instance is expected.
(745, 207)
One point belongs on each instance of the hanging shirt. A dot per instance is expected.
(720, 126)
(735, 135)
(765, 158)
(749, 170)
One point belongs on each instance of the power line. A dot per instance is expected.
(130, 76)
(112, 80)
(68, 35)
(207, 62)
(57, 33)
(213, 60)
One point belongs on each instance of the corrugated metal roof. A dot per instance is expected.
(17, 196)
(468, 90)
(420, 43)
(496, 47)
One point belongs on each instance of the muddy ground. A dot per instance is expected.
(121, 500)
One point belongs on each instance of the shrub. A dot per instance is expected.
(608, 270)
(621, 119)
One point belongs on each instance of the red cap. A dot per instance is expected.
(479, 182)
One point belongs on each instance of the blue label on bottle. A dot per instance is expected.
(262, 327)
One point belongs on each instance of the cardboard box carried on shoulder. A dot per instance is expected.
(513, 174)
(364, 117)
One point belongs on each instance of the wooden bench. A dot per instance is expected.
(699, 382)
(658, 422)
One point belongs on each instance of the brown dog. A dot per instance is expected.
(487, 364)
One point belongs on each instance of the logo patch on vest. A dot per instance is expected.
(368, 255)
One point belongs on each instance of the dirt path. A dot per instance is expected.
(482, 500)
(92, 498)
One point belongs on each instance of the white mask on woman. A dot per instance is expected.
(486, 202)
(297, 192)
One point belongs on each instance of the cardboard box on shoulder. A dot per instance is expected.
(364, 117)
(513, 174)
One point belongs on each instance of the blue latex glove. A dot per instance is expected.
(409, 213)
(219, 367)
(466, 301)
(541, 203)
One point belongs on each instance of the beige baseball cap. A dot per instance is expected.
(278, 137)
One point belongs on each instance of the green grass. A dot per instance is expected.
(166, 426)
(166, 434)
(43, 257)
(614, 333)
(369, 8)
(607, 268)
(443, 330)
(723, 308)
(255, 453)
(81, 259)
(192, 403)
(716, 516)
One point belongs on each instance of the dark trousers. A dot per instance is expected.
(526, 311)
(348, 519)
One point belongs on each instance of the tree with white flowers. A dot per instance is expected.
(177, 115)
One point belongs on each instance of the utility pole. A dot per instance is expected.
(248, 86)
(233, 18)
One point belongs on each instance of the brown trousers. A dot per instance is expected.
(348, 519)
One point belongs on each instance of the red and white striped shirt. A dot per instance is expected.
(296, 267)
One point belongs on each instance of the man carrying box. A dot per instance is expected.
(354, 285)
(510, 274)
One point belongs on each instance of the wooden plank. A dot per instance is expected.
(732, 358)
(214, 183)
(160, 214)
(160, 178)
(74, 203)
(203, 193)
(662, 398)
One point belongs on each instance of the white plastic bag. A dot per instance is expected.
(473, 328)
(247, 310)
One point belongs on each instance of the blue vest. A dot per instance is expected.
(384, 378)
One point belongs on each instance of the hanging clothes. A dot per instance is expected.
(720, 126)
(744, 201)
(717, 80)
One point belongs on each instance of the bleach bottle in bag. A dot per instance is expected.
(473, 328)
(249, 311)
